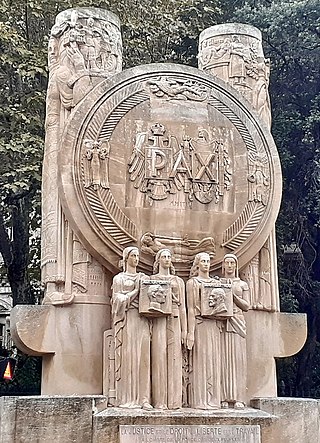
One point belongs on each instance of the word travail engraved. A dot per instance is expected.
(162, 165)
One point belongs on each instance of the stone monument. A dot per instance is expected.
(169, 173)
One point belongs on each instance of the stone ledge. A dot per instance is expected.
(106, 423)
(79, 419)
(299, 419)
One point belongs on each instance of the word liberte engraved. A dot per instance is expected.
(161, 165)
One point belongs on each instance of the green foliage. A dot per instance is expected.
(291, 31)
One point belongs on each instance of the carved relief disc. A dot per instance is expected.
(167, 156)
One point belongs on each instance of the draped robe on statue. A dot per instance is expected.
(167, 349)
(205, 356)
(234, 349)
(132, 343)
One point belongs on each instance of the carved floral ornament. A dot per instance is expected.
(171, 152)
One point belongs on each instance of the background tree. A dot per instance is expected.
(291, 31)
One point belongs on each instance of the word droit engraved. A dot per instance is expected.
(190, 434)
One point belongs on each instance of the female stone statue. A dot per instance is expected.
(132, 336)
(203, 340)
(233, 339)
(168, 336)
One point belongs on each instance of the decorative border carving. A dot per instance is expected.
(244, 226)
(111, 102)
(103, 204)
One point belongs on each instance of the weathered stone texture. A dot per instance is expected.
(46, 419)
(299, 420)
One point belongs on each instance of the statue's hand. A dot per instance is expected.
(184, 338)
(190, 341)
(76, 58)
(121, 297)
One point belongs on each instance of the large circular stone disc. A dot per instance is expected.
(166, 156)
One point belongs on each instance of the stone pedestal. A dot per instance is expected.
(70, 340)
(46, 419)
(107, 423)
(277, 335)
(80, 419)
(298, 419)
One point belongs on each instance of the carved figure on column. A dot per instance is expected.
(203, 340)
(258, 177)
(237, 67)
(168, 337)
(95, 161)
(233, 339)
(69, 81)
(131, 335)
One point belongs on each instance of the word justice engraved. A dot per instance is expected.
(190, 434)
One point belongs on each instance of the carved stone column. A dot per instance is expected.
(85, 48)
(233, 52)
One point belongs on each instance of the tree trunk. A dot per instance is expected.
(15, 250)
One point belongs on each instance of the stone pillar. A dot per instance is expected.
(84, 49)
(233, 52)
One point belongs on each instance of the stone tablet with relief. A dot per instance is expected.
(177, 160)
(216, 300)
(155, 299)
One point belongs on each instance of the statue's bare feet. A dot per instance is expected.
(146, 406)
(238, 405)
(224, 405)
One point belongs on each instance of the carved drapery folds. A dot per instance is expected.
(234, 53)
(175, 344)
(84, 48)
(95, 164)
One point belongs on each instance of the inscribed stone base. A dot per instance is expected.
(82, 419)
(47, 419)
(180, 426)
